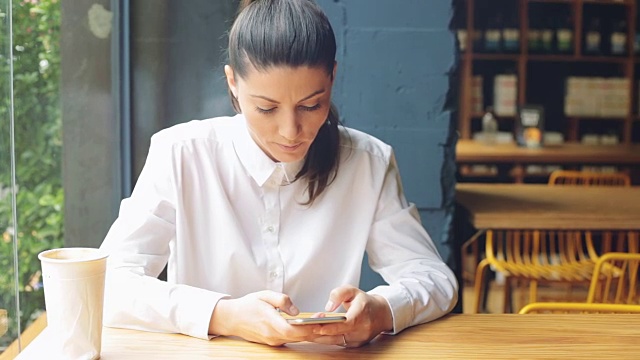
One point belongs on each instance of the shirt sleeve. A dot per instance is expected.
(421, 286)
(138, 246)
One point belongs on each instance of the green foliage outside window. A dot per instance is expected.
(38, 137)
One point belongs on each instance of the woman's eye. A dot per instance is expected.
(265, 111)
(310, 108)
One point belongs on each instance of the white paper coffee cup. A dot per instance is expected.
(73, 280)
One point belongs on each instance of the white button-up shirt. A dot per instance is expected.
(228, 221)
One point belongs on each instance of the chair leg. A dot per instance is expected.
(533, 291)
(467, 274)
(474, 252)
(506, 300)
(480, 274)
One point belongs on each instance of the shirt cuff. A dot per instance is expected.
(400, 305)
(195, 309)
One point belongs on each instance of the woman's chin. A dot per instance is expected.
(288, 155)
(287, 158)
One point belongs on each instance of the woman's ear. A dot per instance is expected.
(231, 80)
(335, 70)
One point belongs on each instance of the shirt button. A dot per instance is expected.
(273, 274)
(270, 229)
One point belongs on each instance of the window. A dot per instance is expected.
(30, 117)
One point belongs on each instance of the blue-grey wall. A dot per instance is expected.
(394, 59)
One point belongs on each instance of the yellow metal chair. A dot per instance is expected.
(534, 256)
(615, 279)
(586, 178)
(614, 288)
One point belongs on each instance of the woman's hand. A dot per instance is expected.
(255, 317)
(367, 316)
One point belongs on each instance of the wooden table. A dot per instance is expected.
(483, 336)
(523, 206)
(469, 152)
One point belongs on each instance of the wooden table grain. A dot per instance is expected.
(526, 206)
(456, 336)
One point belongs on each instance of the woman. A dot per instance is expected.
(272, 210)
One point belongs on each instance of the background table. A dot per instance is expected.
(456, 336)
(524, 206)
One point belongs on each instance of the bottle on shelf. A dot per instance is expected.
(619, 38)
(477, 35)
(546, 36)
(493, 34)
(505, 93)
(511, 32)
(459, 24)
(593, 37)
(564, 36)
(477, 39)
(534, 35)
(489, 127)
(477, 96)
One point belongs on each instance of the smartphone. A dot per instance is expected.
(320, 320)
(303, 319)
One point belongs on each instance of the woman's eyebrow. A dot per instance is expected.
(317, 92)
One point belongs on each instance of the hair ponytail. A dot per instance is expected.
(322, 162)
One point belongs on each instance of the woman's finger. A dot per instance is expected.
(339, 295)
(279, 301)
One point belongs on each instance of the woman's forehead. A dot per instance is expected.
(301, 76)
(286, 84)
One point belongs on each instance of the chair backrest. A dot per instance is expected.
(569, 307)
(536, 247)
(586, 178)
(615, 278)
(614, 288)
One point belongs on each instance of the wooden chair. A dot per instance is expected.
(586, 178)
(614, 288)
(535, 256)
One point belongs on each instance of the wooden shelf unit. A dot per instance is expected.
(511, 161)
(522, 61)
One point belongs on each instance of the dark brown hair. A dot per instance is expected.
(293, 33)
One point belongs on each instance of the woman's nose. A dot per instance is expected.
(289, 127)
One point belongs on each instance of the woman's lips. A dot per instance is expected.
(289, 147)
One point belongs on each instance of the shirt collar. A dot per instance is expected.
(257, 163)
